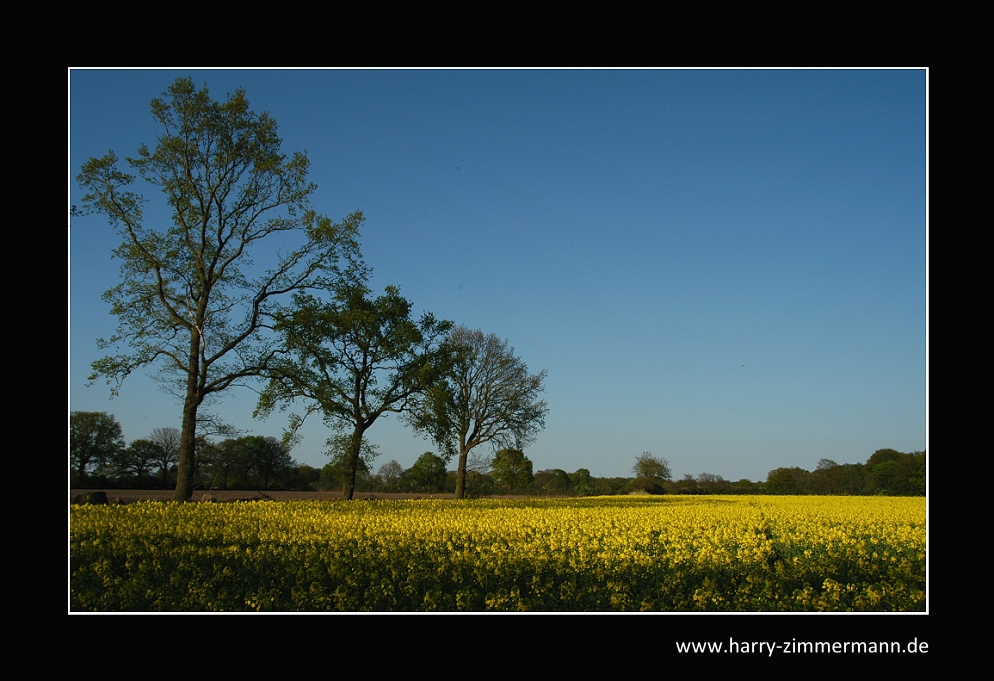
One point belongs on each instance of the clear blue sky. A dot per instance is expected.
(727, 268)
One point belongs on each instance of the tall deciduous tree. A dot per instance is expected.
(355, 359)
(488, 397)
(190, 300)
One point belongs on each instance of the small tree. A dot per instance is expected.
(355, 359)
(427, 474)
(222, 463)
(136, 461)
(489, 396)
(268, 461)
(650, 473)
(95, 440)
(390, 475)
(512, 470)
(167, 443)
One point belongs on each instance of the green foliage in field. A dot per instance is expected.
(729, 553)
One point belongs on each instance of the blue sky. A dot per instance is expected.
(727, 268)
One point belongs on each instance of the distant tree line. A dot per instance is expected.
(887, 472)
(99, 457)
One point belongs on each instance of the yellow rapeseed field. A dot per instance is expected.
(720, 553)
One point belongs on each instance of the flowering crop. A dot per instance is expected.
(734, 553)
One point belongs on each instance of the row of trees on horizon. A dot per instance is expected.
(100, 458)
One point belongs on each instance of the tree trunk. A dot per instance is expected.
(461, 473)
(348, 490)
(188, 437)
(187, 454)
